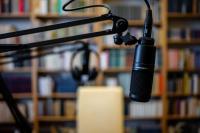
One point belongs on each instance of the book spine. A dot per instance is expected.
(60, 7)
(21, 6)
(27, 5)
(43, 7)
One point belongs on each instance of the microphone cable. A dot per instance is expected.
(84, 7)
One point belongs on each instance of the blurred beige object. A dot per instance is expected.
(100, 110)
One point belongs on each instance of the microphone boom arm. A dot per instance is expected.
(119, 25)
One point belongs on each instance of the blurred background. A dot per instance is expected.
(46, 93)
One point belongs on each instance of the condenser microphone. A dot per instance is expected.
(143, 64)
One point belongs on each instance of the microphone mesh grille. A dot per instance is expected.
(141, 85)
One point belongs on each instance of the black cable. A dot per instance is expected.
(148, 5)
(84, 7)
(46, 51)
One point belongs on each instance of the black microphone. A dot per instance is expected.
(143, 64)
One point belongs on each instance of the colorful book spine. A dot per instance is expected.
(21, 6)
(186, 84)
(184, 107)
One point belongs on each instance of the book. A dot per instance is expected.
(184, 84)
(57, 107)
(125, 81)
(111, 81)
(150, 109)
(183, 59)
(128, 7)
(21, 6)
(70, 109)
(176, 6)
(18, 82)
(65, 83)
(184, 107)
(56, 6)
(15, 6)
(45, 86)
(116, 59)
(180, 33)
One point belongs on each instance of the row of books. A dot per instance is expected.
(18, 82)
(51, 107)
(15, 6)
(123, 80)
(137, 32)
(59, 83)
(188, 127)
(115, 58)
(184, 107)
(183, 59)
(55, 6)
(150, 109)
(5, 28)
(25, 108)
(184, 84)
(128, 7)
(56, 61)
(64, 32)
(62, 61)
(179, 33)
(16, 62)
(143, 127)
(183, 6)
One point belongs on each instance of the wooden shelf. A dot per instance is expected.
(127, 118)
(117, 70)
(177, 117)
(15, 16)
(66, 16)
(188, 16)
(18, 70)
(65, 119)
(184, 70)
(172, 95)
(21, 96)
(59, 96)
(45, 71)
(183, 43)
(114, 46)
(55, 119)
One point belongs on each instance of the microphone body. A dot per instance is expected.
(143, 70)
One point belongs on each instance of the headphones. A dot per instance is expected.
(85, 73)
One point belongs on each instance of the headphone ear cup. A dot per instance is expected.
(93, 74)
(76, 73)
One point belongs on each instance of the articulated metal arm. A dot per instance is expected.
(119, 25)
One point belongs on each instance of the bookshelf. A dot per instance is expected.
(186, 19)
(163, 44)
